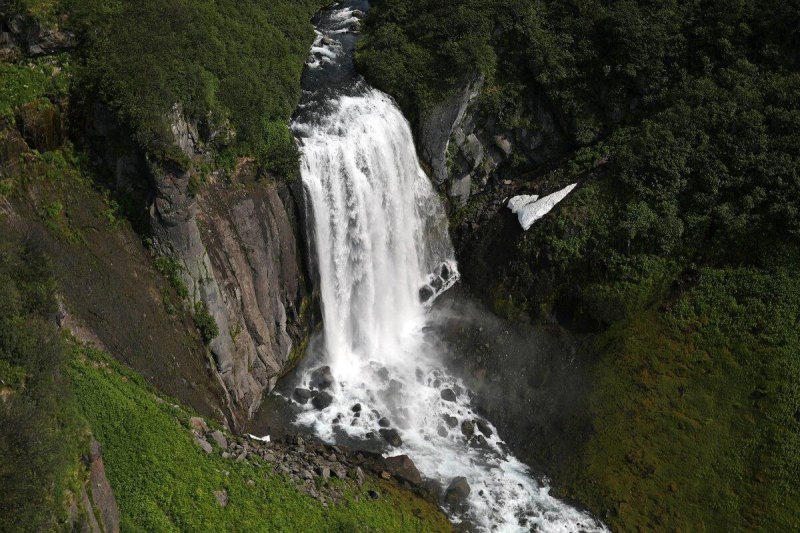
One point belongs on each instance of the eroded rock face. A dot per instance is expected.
(253, 282)
(464, 145)
(438, 124)
(238, 240)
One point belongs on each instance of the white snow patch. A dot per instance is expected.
(530, 208)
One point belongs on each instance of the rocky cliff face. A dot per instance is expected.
(239, 242)
(467, 147)
(259, 294)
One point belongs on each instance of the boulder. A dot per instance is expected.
(373, 494)
(302, 395)
(324, 472)
(472, 150)
(450, 420)
(384, 422)
(403, 468)
(356, 408)
(198, 424)
(448, 395)
(441, 430)
(358, 474)
(483, 427)
(467, 428)
(478, 441)
(219, 438)
(339, 471)
(391, 436)
(457, 492)
(322, 400)
(425, 294)
(222, 497)
(204, 445)
(321, 378)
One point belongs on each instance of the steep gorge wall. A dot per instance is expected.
(238, 238)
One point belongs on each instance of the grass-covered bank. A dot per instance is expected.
(55, 394)
(164, 482)
(696, 410)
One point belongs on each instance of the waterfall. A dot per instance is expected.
(383, 255)
(380, 232)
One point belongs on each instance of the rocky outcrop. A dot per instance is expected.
(24, 35)
(237, 237)
(238, 241)
(95, 510)
(256, 288)
(437, 125)
(464, 143)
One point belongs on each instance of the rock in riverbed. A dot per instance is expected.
(457, 492)
(322, 400)
(302, 395)
(322, 378)
(402, 467)
(391, 436)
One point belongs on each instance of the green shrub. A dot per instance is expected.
(170, 268)
(205, 322)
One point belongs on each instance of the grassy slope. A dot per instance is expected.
(696, 411)
(164, 482)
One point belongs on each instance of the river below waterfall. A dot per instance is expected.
(377, 372)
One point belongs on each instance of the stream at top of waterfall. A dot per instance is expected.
(376, 377)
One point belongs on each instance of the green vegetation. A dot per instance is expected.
(20, 84)
(680, 248)
(697, 410)
(164, 482)
(171, 269)
(205, 322)
(53, 390)
(40, 435)
(233, 67)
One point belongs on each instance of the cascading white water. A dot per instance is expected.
(383, 254)
(379, 230)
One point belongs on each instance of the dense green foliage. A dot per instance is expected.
(38, 427)
(680, 248)
(695, 105)
(22, 84)
(226, 65)
(698, 409)
(164, 482)
(205, 322)
(692, 111)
